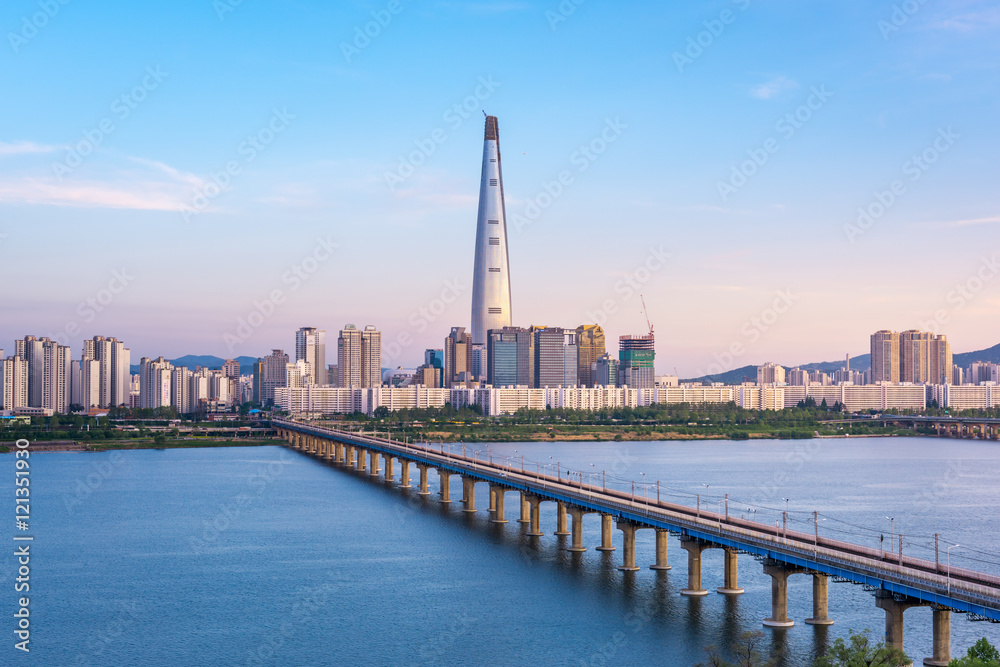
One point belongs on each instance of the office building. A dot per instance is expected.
(507, 352)
(457, 353)
(273, 375)
(636, 356)
(591, 346)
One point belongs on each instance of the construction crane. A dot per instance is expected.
(646, 314)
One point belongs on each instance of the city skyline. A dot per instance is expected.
(340, 189)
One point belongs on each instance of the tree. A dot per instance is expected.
(860, 652)
(980, 654)
(747, 653)
(160, 440)
(381, 412)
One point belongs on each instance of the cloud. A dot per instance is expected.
(972, 221)
(769, 89)
(117, 182)
(22, 147)
(985, 19)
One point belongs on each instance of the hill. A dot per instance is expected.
(208, 361)
(858, 363)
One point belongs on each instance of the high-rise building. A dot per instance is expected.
(591, 346)
(299, 374)
(310, 346)
(31, 349)
(57, 385)
(13, 383)
(180, 390)
(332, 376)
(491, 272)
(349, 357)
(371, 357)
(941, 365)
(457, 354)
(885, 357)
(273, 368)
(636, 355)
(571, 360)
(914, 356)
(507, 352)
(550, 357)
(155, 382)
(770, 374)
(798, 377)
(605, 371)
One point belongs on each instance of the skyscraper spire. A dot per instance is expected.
(491, 273)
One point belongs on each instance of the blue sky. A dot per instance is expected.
(746, 137)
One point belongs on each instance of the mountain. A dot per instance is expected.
(208, 361)
(858, 363)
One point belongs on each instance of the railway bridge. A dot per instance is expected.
(898, 582)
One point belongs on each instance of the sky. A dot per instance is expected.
(777, 180)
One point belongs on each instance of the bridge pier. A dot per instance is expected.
(694, 547)
(607, 536)
(662, 538)
(577, 514)
(497, 495)
(628, 546)
(730, 585)
(373, 463)
(942, 637)
(469, 494)
(404, 474)
(821, 596)
(779, 573)
(493, 499)
(387, 458)
(445, 478)
(525, 509)
(362, 460)
(423, 480)
(561, 519)
(535, 527)
(893, 616)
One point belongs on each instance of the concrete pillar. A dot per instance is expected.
(607, 536)
(362, 465)
(893, 617)
(561, 519)
(662, 537)
(373, 463)
(942, 637)
(628, 546)
(496, 493)
(821, 591)
(694, 549)
(577, 514)
(730, 584)
(388, 467)
(404, 474)
(445, 477)
(535, 528)
(423, 480)
(525, 509)
(469, 494)
(779, 596)
(493, 499)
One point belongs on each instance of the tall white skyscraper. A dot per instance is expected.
(491, 273)
(349, 357)
(310, 346)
